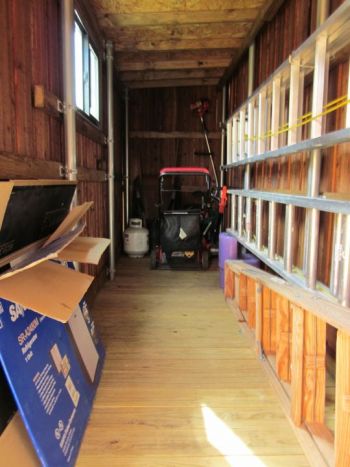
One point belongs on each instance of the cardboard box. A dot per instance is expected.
(29, 279)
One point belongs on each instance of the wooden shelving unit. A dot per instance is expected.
(288, 326)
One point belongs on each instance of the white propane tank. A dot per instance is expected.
(136, 243)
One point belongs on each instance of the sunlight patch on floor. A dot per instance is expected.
(222, 438)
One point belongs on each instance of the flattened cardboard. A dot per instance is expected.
(5, 193)
(49, 288)
(15, 445)
(85, 250)
(40, 255)
(69, 222)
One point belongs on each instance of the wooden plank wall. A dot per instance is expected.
(168, 110)
(30, 54)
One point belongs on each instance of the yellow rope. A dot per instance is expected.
(304, 119)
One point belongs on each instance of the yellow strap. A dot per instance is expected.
(304, 119)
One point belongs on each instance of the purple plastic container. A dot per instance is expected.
(228, 248)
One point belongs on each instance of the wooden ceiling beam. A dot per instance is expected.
(173, 83)
(172, 65)
(178, 44)
(170, 55)
(187, 32)
(156, 6)
(130, 76)
(107, 20)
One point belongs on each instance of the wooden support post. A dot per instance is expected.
(268, 121)
(258, 224)
(297, 364)
(262, 121)
(233, 213)
(272, 240)
(229, 142)
(229, 289)
(242, 142)
(236, 288)
(269, 321)
(256, 128)
(250, 145)
(294, 100)
(336, 253)
(240, 216)
(251, 302)
(284, 116)
(347, 113)
(283, 338)
(342, 401)
(248, 218)
(314, 369)
(242, 292)
(234, 139)
(319, 93)
(288, 238)
(258, 318)
(276, 107)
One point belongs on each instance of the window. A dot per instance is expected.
(87, 69)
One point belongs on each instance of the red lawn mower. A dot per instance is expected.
(190, 212)
(180, 235)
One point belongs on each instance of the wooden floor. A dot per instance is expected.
(181, 386)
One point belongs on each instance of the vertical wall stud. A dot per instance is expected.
(318, 96)
(283, 335)
(258, 224)
(234, 138)
(262, 121)
(297, 364)
(276, 107)
(272, 238)
(342, 401)
(345, 273)
(258, 318)
(289, 238)
(293, 99)
(229, 142)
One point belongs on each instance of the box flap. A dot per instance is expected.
(48, 288)
(45, 253)
(5, 193)
(72, 218)
(85, 250)
(15, 445)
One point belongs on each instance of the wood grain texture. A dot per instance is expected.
(173, 59)
(150, 6)
(242, 303)
(178, 370)
(342, 401)
(172, 18)
(251, 302)
(138, 27)
(314, 377)
(229, 282)
(297, 365)
(130, 76)
(283, 338)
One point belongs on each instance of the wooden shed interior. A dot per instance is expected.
(99, 92)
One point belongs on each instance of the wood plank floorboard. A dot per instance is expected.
(181, 385)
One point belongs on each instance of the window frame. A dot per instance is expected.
(87, 44)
